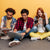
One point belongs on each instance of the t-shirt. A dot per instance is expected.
(24, 28)
(8, 22)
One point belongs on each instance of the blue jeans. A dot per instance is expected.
(34, 29)
(48, 27)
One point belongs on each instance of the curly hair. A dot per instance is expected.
(10, 10)
(24, 11)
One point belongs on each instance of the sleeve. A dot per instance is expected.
(46, 18)
(17, 25)
(45, 14)
(2, 22)
(49, 20)
(35, 20)
(31, 23)
(14, 23)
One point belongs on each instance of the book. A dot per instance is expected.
(12, 34)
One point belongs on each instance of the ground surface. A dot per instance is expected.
(26, 44)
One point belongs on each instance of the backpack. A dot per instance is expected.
(49, 20)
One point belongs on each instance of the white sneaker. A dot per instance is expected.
(48, 38)
(13, 43)
(5, 37)
(35, 38)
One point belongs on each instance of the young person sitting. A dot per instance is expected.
(8, 21)
(23, 27)
(40, 22)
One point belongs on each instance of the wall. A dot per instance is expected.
(31, 5)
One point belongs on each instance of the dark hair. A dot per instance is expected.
(10, 10)
(24, 11)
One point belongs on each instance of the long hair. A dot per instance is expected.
(43, 16)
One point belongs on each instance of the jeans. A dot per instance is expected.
(34, 29)
(48, 27)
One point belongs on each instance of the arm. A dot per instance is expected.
(15, 30)
(2, 22)
(28, 30)
(46, 18)
(16, 26)
(30, 26)
(36, 24)
(35, 21)
(14, 23)
(24, 33)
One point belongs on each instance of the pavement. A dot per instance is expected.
(26, 44)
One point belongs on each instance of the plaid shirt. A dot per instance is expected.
(20, 23)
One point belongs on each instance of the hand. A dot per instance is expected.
(23, 34)
(5, 32)
(14, 30)
(45, 14)
(39, 22)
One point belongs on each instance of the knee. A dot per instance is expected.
(34, 29)
(31, 34)
(48, 27)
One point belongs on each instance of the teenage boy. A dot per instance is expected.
(8, 21)
(23, 26)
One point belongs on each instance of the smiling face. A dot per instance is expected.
(24, 16)
(40, 13)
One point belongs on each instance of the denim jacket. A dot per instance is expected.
(3, 22)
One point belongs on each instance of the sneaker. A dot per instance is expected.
(48, 38)
(35, 38)
(13, 43)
